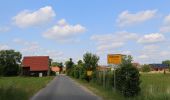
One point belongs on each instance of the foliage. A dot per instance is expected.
(145, 68)
(166, 62)
(127, 78)
(90, 61)
(60, 65)
(69, 66)
(9, 62)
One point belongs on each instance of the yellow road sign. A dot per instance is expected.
(114, 58)
(89, 73)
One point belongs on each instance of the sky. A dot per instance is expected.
(64, 29)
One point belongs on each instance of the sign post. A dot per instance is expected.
(114, 60)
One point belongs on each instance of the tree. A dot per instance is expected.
(9, 62)
(69, 66)
(90, 61)
(60, 65)
(90, 64)
(145, 68)
(127, 78)
(166, 62)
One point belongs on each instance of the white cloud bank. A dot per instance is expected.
(166, 25)
(27, 18)
(113, 41)
(126, 18)
(63, 31)
(152, 38)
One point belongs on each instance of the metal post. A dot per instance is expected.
(114, 77)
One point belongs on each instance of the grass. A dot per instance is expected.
(153, 87)
(21, 88)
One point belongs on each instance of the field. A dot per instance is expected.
(21, 88)
(153, 87)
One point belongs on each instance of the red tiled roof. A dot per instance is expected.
(36, 63)
(55, 68)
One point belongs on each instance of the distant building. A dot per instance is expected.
(103, 68)
(136, 65)
(35, 65)
(158, 67)
(55, 69)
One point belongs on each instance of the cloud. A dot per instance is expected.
(27, 18)
(151, 47)
(4, 47)
(110, 46)
(126, 18)
(32, 47)
(24, 42)
(113, 41)
(4, 29)
(63, 31)
(54, 54)
(165, 28)
(151, 38)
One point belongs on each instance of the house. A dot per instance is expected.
(103, 68)
(55, 69)
(35, 65)
(158, 67)
(136, 65)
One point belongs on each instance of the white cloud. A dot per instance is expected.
(54, 54)
(167, 20)
(113, 41)
(110, 46)
(27, 18)
(4, 29)
(24, 42)
(165, 28)
(152, 38)
(126, 18)
(63, 31)
(4, 47)
(143, 57)
(33, 47)
(151, 47)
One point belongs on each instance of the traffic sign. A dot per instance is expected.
(114, 58)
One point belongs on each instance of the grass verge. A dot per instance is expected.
(21, 88)
(153, 87)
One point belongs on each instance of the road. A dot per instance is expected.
(64, 88)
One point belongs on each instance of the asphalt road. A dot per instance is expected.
(64, 88)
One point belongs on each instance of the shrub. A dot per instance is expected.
(145, 68)
(127, 78)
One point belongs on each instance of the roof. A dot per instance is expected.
(158, 65)
(55, 68)
(36, 63)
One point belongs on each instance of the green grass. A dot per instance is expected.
(153, 87)
(21, 88)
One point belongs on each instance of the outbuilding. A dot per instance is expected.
(35, 66)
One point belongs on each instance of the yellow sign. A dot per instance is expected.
(114, 58)
(89, 73)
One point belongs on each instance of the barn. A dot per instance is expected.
(35, 65)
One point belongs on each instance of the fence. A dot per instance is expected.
(104, 78)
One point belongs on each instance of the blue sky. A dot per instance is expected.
(69, 28)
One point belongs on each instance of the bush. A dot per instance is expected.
(145, 68)
(127, 78)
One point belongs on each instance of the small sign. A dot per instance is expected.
(89, 73)
(114, 58)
